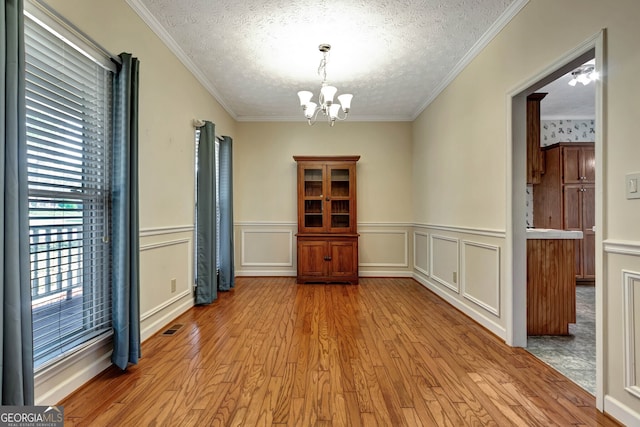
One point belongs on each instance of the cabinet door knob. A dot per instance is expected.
(328, 199)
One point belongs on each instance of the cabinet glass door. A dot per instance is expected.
(340, 191)
(313, 206)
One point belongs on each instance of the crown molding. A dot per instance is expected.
(475, 50)
(155, 26)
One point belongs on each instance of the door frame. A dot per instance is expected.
(516, 272)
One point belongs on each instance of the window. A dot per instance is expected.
(69, 113)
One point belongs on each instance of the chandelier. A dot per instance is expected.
(584, 74)
(325, 103)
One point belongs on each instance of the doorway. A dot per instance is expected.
(560, 200)
(516, 182)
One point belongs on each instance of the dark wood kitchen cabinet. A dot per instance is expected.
(327, 239)
(565, 198)
(579, 214)
(551, 286)
(535, 157)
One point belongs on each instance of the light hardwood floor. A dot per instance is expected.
(385, 353)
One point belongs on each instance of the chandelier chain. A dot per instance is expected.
(322, 68)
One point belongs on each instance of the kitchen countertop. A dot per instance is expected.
(549, 233)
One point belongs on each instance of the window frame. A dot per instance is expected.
(59, 28)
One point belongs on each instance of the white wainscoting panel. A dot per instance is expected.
(477, 292)
(631, 302)
(267, 248)
(444, 261)
(421, 252)
(481, 275)
(161, 262)
(383, 248)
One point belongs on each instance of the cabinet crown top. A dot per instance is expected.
(327, 158)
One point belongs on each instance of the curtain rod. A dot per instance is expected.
(197, 123)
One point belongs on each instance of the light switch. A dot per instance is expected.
(631, 184)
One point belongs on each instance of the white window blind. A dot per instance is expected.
(69, 113)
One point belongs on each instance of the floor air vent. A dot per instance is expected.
(172, 330)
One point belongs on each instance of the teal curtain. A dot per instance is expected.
(126, 228)
(227, 271)
(16, 334)
(206, 278)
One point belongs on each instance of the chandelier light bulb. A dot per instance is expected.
(310, 109)
(305, 97)
(334, 109)
(328, 92)
(345, 101)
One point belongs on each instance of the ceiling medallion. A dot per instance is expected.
(325, 103)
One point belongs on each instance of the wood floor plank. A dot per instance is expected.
(265, 414)
(387, 352)
(284, 395)
(352, 411)
(362, 393)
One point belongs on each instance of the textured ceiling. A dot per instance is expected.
(568, 102)
(395, 56)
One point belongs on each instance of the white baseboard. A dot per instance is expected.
(157, 323)
(265, 273)
(621, 412)
(466, 309)
(288, 273)
(372, 273)
(61, 379)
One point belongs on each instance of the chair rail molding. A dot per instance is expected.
(622, 247)
(487, 232)
(159, 231)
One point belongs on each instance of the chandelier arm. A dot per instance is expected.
(312, 120)
(341, 118)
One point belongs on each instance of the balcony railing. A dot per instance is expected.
(56, 263)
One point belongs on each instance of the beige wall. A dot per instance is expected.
(471, 157)
(170, 97)
(265, 191)
(265, 174)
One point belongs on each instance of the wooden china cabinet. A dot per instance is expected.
(327, 222)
